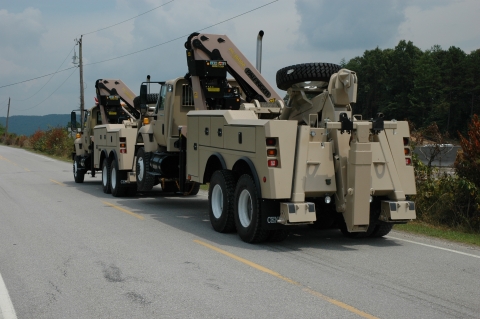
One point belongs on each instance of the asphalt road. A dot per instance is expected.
(70, 251)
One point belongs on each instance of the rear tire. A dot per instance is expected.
(248, 216)
(116, 177)
(106, 176)
(145, 181)
(221, 200)
(381, 230)
(78, 175)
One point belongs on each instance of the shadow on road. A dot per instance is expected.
(190, 214)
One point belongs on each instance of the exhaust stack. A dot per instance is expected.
(259, 51)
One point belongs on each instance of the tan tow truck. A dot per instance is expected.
(108, 141)
(272, 165)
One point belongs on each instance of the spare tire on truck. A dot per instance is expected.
(152, 98)
(290, 75)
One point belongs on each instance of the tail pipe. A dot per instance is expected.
(259, 50)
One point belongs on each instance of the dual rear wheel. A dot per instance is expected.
(112, 178)
(235, 205)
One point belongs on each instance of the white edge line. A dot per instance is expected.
(431, 246)
(6, 306)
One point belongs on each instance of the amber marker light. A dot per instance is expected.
(78, 135)
(271, 152)
(146, 121)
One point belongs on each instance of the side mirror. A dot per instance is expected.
(73, 121)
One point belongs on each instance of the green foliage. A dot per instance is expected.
(467, 163)
(437, 85)
(54, 141)
(451, 200)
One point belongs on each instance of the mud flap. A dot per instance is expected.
(270, 214)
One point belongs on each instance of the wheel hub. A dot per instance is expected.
(114, 178)
(245, 208)
(217, 201)
(140, 168)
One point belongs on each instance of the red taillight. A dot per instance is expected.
(272, 163)
(408, 161)
(123, 145)
(271, 141)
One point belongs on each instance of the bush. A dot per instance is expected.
(467, 163)
(37, 140)
(55, 141)
(451, 201)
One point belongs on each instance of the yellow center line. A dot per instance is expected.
(277, 275)
(59, 183)
(6, 159)
(26, 169)
(124, 210)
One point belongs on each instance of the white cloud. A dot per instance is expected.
(345, 24)
(454, 23)
(35, 38)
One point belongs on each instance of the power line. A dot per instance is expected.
(183, 36)
(50, 94)
(42, 76)
(141, 14)
(48, 79)
(38, 77)
(128, 54)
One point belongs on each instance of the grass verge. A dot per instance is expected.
(417, 227)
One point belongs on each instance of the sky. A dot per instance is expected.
(130, 39)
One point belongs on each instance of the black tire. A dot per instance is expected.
(116, 177)
(106, 176)
(375, 210)
(248, 216)
(145, 181)
(290, 75)
(152, 98)
(221, 200)
(278, 235)
(78, 174)
(381, 230)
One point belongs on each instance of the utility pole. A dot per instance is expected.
(8, 114)
(80, 64)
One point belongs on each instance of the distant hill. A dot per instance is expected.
(28, 124)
